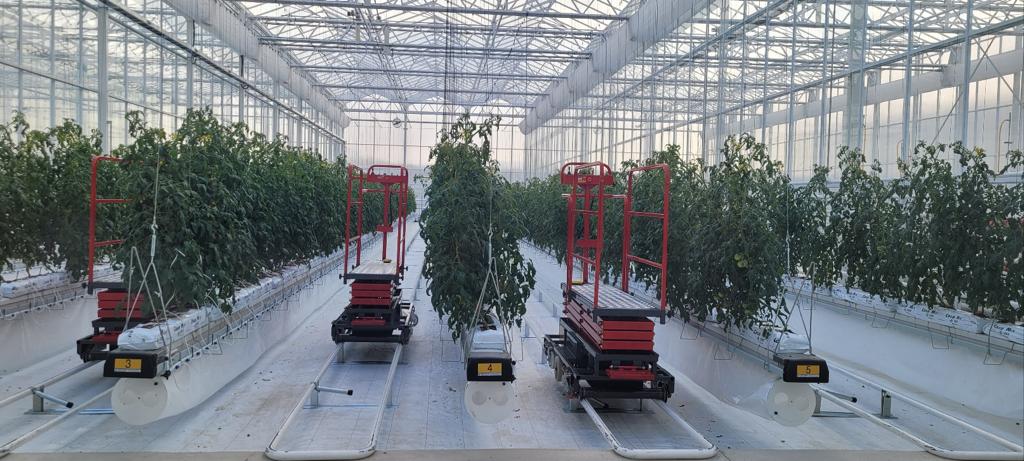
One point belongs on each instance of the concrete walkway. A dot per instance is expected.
(512, 454)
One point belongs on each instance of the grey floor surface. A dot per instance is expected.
(427, 420)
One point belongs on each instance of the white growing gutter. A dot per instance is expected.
(653, 21)
(233, 31)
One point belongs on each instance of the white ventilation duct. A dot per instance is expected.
(653, 21)
(232, 30)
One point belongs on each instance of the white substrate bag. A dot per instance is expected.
(28, 285)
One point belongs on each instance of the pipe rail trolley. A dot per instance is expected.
(118, 310)
(605, 348)
(376, 310)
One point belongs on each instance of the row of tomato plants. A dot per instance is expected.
(44, 187)
(220, 205)
(738, 228)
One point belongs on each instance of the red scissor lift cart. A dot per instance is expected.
(605, 348)
(376, 312)
(118, 309)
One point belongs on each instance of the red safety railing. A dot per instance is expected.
(94, 202)
(354, 174)
(392, 179)
(590, 179)
(627, 225)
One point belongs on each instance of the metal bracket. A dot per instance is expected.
(40, 397)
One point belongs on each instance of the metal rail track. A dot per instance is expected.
(39, 395)
(312, 395)
(708, 449)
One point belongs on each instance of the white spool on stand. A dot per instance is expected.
(489, 402)
(790, 404)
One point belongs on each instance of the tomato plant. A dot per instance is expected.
(471, 216)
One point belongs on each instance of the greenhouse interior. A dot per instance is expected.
(509, 229)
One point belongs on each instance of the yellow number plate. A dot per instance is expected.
(488, 369)
(128, 365)
(808, 371)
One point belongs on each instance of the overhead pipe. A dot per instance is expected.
(233, 31)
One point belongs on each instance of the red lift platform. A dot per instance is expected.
(605, 348)
(376, 312)
(118, 310)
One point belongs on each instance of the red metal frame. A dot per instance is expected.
(388, 176)
(93, 203)
(590, 180)
(627, 224)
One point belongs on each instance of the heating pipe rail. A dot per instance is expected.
(8, 447)
(1015, 453)
(708, 449)
(274, 453)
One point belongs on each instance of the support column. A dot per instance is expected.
(823, 124)
(298, 125)
(275, 115)
(53, 67)
(102, 77)
(907, 142)
(584, 146)
(80, 107)
(190, 32)
(405, 136)
(873, 78)
(1017, 106)
(20, 104)
(853, 116)
(647, 148)
(965, 87)
(790, 114)
(241, 89)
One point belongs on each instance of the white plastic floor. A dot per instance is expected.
(427, 412)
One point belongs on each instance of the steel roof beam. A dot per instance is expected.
(427, 90)
(446, 10)
(425, 73)
(432, 54)
(328, 43)
(426, 27)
